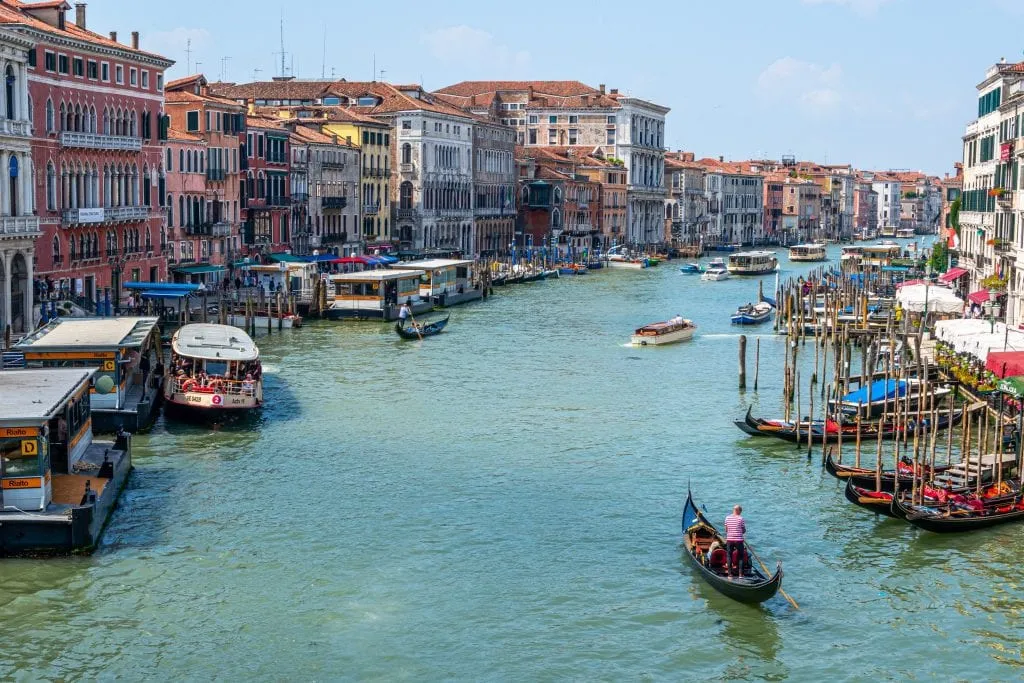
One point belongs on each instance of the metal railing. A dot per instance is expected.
(215, 385)
(334, 202)
(215, 174)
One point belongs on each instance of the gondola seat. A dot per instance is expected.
(717, 559)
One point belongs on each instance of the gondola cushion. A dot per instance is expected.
(717, 558)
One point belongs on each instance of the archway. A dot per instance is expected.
(19, 286)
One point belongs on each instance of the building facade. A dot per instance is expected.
(266, 193)
(19, 226)
(686, 203)
(494, 187)
(325, 174)
(640, 143)
(96, 107)
(187, 239)
(734, 197)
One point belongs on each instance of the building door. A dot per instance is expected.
(153, 273)
(19, 285)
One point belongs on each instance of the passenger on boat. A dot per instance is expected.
(678, 320)
(715, 545)
(248, 385)
(735, 528)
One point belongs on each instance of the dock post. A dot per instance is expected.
(205, 306)
(757, 361)
(743, 361)
(280, 318)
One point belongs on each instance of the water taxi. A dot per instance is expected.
(752, 314)
(691, 269)
(213, 368)
(807, 252)
(852, 254)
(753, 263)
(666, 332)
(887, 231)
(716, 270)
(625, 261)
(905, 234)
(880, 255)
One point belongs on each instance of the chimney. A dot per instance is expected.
(615, 91)
(529, 93)
(721, 159)
(585, 99)
(601, 88)
(113, 36)
(80, 14)
(135, 40)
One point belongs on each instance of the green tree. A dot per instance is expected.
(940, 257)
(954, 215)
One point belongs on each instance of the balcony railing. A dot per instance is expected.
(336, 165)
(215, 174)
(1005, 199)
(369, 209)
(406, 214)
(334, 202)
(19, 225)
(221, 229)
(300, 196)
(408, 168)
(14, 127)
(126, 213)
(86, 216)
(96, 141)
(279, 201)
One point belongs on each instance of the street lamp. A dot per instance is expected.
(991, 308)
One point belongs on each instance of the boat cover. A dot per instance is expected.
(879, 390)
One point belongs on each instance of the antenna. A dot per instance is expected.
(382, 72)
(282, 43)
(188, 56)
(374, 74)
(223, 67)
(255, 73)
(323, 59)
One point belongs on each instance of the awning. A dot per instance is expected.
(348, 259)
(287, 258)
(320, 258)
(908, 283)
(921, 298)
(1005, 363)
(979, 297)
(1014, 386)
(199, 270)
(952, 274)
(387, 259)
(174, 287)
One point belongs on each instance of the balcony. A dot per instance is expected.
(335, 165)
(1005, 200)
(407, 168)
(126, 213)
(279, 201)
(221, 229)
(19, 225)
(299, 197)
(334, 238)
(88, 216)
(334, 202)
(406, 214)
(215, 174)
(96, 141)
(369, 210)
(18, 128)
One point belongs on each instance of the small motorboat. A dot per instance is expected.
(752, 314)
(716, 270)
(691, 269)
(752, 586)
(421, 330)
(667, 332)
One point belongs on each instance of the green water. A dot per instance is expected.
(502, 503)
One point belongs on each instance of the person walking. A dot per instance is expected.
(735, 529)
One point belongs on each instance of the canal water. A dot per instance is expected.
(503, 502)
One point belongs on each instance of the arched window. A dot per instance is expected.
(556, 219)
(92, 119)
(405, 195)
(106, 121)
(407, 153)
(51, 187)
(181, 161)
(10, 88)
(558, 196)
(133, 127)
(63, 117)
(188, 161)
(49, 116)
(170, 212)
(170, 157)
(182, 216)
(56, 249)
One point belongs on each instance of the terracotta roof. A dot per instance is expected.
(17, 12)
(188, 96)
(728, 167)
(272, 90)
(175, 134)
(555, 88)
(262, 122)
(309, 135)
(179, 83)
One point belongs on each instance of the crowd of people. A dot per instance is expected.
(240, 377)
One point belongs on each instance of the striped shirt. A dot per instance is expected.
(735, 527)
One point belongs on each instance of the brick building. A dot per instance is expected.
(266, 194)
(97, 106)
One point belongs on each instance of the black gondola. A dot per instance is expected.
(698, 533)
(879, 502)
(865, 477)
(427, 330)
(947, 518)
(787, 431)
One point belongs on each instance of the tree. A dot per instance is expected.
(954, 215)
(940, 257)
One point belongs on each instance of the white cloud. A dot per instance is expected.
(867, 8)
(467, 45)
(173, 44)
(817, 88)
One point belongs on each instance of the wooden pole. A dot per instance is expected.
(743, 361)
(757, 361)
(796, 418)
(856, 454)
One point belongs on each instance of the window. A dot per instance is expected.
(145, 80)
(610, 139)
(552, 119)
(92, 70)
(249, 146)
(332, 101)
(533, 118)
(533, 136)
(62, 64)
(406, 124)
(78, 66)
(160, 82)
(192, 121)
(49, 61)
(32, 57)
(133, 77)
(611, 120)
(573, 136)
(104, 72)
(573, 118)
(49, 116)
(168, 161)
(552, 136)
(119, 74)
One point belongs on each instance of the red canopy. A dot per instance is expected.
(952, 274)
(349, 259)
(979, 297)
(908, 283)
(1005, 363)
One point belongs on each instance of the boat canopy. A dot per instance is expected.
(214, 342)
(877, 391)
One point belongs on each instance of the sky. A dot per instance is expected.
(883, 84)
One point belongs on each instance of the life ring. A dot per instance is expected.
(189, 385)
(216, 385)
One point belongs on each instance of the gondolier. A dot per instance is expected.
(735, 528)
(403, 313)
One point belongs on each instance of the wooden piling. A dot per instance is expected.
(743, 361)
(757, 360)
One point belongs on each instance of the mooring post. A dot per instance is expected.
(743, 361)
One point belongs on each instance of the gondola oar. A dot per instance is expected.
(415, 325)
(768, 573)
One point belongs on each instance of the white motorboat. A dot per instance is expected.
(716, 270)
(213, 368)
(753, 263)
(666, 332)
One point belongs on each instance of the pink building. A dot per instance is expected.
(97, 107)
(190, 252)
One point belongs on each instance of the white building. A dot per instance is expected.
(640, 143)
(735, 203)
(889, 194)
(19, 228)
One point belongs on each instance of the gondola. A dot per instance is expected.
(991, 503)
(698, 533)
(828, 432)
(951, 521)
(879, 502)
(866, 477)
(428, 330)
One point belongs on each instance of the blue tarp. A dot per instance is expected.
(172, 288)
(879, 389)
(321, 257)
(388, 259)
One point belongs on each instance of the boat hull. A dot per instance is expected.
(715, 275)
(428, 330)
(632, 265)
(662, 339)
(878, 502)
(212, 402)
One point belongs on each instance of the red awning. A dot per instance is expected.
(349, 259)
(908, 283)
(1005, 363)
(979, 297)
(952, 274)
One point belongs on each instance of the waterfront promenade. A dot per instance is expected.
(502, 503)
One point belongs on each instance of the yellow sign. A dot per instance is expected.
(23, 483)
(69, 355)
(29, 447)
(109, 366)
(18, 431)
